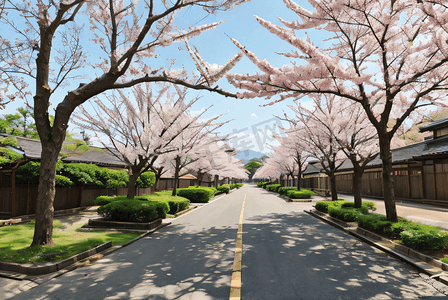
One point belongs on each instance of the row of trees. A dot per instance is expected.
(388, 57)
(331, 130)
(44, 56)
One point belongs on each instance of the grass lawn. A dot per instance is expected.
(16, 239)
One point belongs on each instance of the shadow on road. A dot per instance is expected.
(285, 256)
(303, 258)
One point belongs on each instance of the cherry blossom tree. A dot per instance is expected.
(294, 152)
(234, 168)
(284, 161)
(213, 160)
(391, 57)
(46, 52)
(191, 145)
(269, 169)
(159, 124)
(315, 129)
(347, 123)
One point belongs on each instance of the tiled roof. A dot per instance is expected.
(418, 151)
(98, 156)
(312, 168)
(32, 149)
(435, 125)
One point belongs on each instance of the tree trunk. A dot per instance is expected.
(200, 177)
(334, 192)
(388, 180)
(43, 229)
(136, 171)
(357, 186)
(299, 178)
(157, 184)
(176, 175)
(216, 181)
(131, 184)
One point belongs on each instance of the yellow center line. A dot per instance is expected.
(235, 283)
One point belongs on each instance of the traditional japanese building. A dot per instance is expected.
(420, 170)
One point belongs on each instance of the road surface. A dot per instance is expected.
(286, 254)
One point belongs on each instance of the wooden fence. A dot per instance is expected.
(425, 181)
(67, 197)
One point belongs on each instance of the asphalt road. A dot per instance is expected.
(287, 254)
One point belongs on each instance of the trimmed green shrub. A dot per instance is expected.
(433, 239)
(347, 215)
(364, 209)
(284, 190)
(225, 188)
(236, 186)
(134, 210)
(374, 222)
(146, 180)
(103, 200)
(273, 187)
(302, 194)
(89, 175)
(323, 205)
(175, 203)
(28, 173)
(196, 195)
(260, 184)
(212, 191)
(63, 181)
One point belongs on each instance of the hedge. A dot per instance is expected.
(236, 186)
(433, 239)
(411, 234)
(284, 190)
(63, 181)
(146, 180)
(211, 190)
(302, 194)
(79, 174)
(272, 187)
(260, 184)
(89, 175)
(197, 194)
(225, 188)
(133, 210)
(175, 203)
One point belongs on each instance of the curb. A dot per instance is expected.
(423, 263)
(100, 224)
(287, 199)
(21, 271)
(178, 214)
(52, 267)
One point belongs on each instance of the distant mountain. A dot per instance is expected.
(247, 155)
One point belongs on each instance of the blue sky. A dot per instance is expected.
(215, 46)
